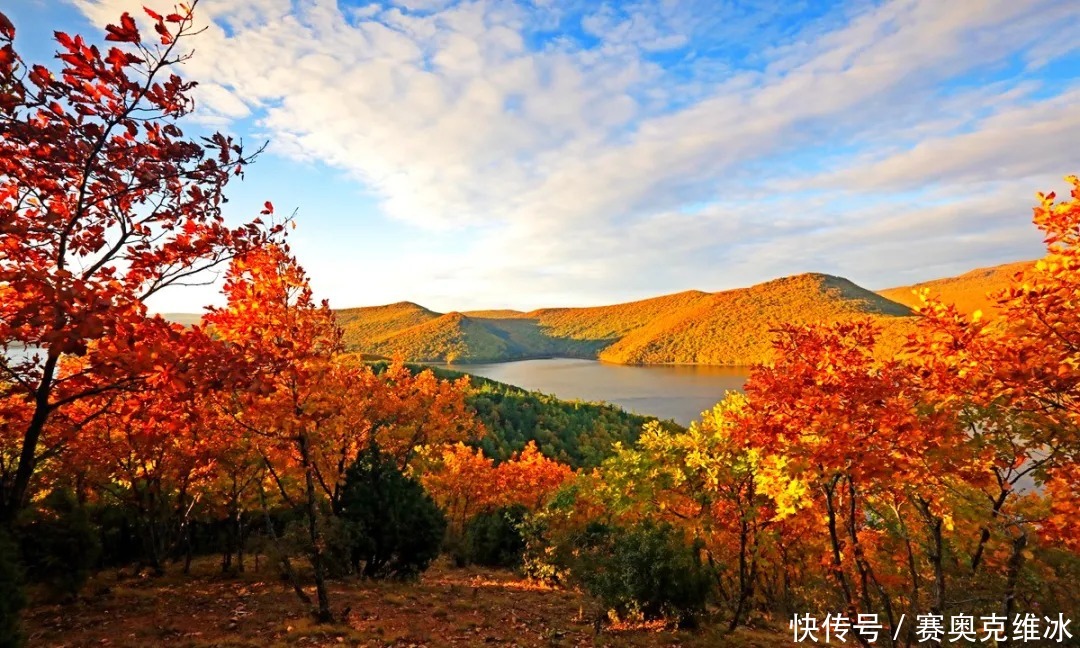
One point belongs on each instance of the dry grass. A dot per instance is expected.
(446, 607)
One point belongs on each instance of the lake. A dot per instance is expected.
(677, 392)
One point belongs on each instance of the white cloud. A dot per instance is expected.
(584, 157)
(1023, 142)
(220, 101)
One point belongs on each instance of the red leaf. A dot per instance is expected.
(166, 36)
(113, 34)
(153, 14)
(40, 76)
(6, 28)
(127, 32)
(116, 58)
(268, 208)
(64, 40)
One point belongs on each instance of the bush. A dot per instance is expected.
(645, 571)
(548, 553)
(395, 527)
(12, 599)
(59, 544)
(494, 539)
(338, 543)
(119, 539)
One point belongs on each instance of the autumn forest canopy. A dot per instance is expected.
(868, 468)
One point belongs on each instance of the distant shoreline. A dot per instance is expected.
(466, 363)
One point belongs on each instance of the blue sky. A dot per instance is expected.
(527, 153)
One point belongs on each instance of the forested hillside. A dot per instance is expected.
(736, 327)
(577, 433)
(968, 291)
(693, 327)
(731, 327)
(377, 322)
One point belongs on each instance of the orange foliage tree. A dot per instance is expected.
(152, 457)
(1016, 383)
(465, 483)
(911, 483)
(308, 410)
(857, 434)
(394, 412)
(287, 343)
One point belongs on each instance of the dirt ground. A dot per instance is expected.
(447, 607)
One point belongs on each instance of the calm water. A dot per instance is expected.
(680, 393)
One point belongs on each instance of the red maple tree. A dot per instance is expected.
(104, 202)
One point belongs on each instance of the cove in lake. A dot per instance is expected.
(677, 392)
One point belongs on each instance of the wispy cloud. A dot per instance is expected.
(599, 149)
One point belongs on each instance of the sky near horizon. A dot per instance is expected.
(529, 153)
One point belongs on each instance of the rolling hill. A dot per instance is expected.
(379, 321)
(732, 327)
(968, 291)
(454, 337)
(443, 337)
(692, 327)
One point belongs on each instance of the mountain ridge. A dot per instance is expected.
(729, 327)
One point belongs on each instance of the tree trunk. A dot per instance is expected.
(188, 551)
(838, 564)
(240, 539)
(984, 534)
(286, 566)
(913, 604)
(14, 500)
(311, 505)
(1012, 577)
(736, 618)
(785, 575)
(935, 553)
(866, 571)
